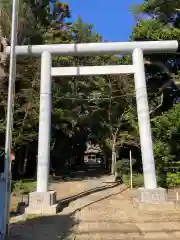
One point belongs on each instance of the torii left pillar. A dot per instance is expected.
(43, 201)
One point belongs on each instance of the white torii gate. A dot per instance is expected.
(137, 68)
(44, 201)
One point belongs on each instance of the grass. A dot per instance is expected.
(19, 189)
(24, 218)
(23, 187)
(137, 180)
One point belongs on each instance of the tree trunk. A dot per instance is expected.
(31, 166)
(31, 161)
(3, 55)
(23, 153)
(114, 156)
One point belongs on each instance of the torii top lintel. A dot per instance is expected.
(88, 49)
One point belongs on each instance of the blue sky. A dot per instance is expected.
(112, 19)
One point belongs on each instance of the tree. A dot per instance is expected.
(26, 106)
(71, 109)
(162, 23)
(25, 34)
(166, 137)
(112, 103)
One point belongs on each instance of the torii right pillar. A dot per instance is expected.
(150, 193)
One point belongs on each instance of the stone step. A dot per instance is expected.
(123, 237)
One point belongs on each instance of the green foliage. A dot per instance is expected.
(160, 20)
(125, 165)
(84, 32)
(163, 10)
(166, 130)
(23, 187)
(173, 180)
(27, 82)
(118, 167)
(137, 179)
(166, 135)
(154, 30)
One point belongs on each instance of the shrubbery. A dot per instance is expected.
(23, 187)
(137, 179)
(173, 180)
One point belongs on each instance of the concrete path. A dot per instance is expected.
(97, 210)
(109, 214)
